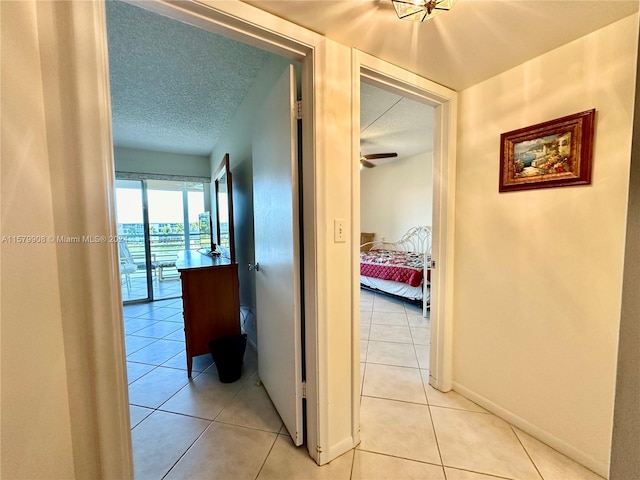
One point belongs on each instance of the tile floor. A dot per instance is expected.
(206, 429)
(136, 289)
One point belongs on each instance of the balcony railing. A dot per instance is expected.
(165, 248)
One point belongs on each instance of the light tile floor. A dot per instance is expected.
(206, 429)
(136, 288)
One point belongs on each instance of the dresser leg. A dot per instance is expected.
(189, 365)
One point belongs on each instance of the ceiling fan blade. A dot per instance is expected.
(373, 156)
(366, 164)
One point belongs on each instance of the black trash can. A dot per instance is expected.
(227, 353)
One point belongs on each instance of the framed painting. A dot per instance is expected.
(556, 153)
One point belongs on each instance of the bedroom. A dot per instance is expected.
(180, 126)
(201, 105)
(396, 183)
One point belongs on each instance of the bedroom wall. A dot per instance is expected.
(538, 273)
(236, 141)
(146, 161)
(396, 196)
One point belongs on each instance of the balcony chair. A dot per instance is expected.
(127, 265)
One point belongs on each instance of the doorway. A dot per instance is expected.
(162, 313)
(396, 189)
(444, 103)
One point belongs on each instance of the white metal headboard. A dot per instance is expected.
(416, 239)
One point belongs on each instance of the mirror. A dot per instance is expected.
(224, 210)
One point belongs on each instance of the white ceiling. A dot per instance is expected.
(475, 40)
(391, 123)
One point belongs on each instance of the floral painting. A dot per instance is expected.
(550, 154)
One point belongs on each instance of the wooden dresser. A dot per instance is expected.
(210, 299)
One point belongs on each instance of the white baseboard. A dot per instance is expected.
(545, 437)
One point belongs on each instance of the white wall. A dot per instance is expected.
(146, 161)
(62, 330)
(33, 356)
(538, 273)
(396, 196)
(333, 201)
(236, 141)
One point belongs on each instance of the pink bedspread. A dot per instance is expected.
(404, 267)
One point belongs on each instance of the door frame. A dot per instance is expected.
(246, 24)
(445, 102)
(250, 25)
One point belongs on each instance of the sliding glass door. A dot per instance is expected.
(157, 219)
(132, 246)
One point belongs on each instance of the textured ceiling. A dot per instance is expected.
(174, 87)
(392, 123)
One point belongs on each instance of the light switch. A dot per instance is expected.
(339, 230)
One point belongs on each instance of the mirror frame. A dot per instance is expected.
(222, 170)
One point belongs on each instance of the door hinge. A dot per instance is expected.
(432, 264)
(304, 389)
(299, 110)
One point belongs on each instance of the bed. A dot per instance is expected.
(398, 268)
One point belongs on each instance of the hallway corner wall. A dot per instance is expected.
(539, 272)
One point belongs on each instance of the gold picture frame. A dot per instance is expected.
(556, 153)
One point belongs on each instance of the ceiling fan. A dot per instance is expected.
(364, 159)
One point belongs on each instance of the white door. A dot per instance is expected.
(275, 204)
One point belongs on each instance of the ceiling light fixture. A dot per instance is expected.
(421, 10)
